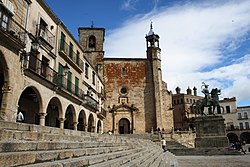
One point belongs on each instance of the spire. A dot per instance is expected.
(151, 32)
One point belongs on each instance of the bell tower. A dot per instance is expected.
(152, 40)
(154, 58)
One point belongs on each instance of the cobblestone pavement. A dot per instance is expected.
(214, 161)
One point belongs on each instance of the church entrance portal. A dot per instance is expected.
(124, 126)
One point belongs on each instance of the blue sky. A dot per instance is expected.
(201, 40)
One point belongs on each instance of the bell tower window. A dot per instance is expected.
(92, 41)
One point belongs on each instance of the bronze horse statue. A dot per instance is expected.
(211, 102)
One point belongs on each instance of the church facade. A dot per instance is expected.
(137, 100)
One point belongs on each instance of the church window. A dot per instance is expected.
(123, 71)
(92, 41)
(124, 90)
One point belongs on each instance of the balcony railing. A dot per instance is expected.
(242, 118)
(15, 30)
(67, 50)
(91, 102)
(44, 33)
(42, 69)
(102, 114)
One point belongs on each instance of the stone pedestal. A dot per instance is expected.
(210, 132)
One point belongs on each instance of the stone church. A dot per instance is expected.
(137, 99)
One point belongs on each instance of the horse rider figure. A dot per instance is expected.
(206, 92)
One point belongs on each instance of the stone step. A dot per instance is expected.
(31, 157)
(152, 159)
(15, 146)
(138, 161)
(87, 160)
(165, 159)
(120, 161)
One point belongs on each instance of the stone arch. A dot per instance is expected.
(232, 137)
(81, 121)
(4, 84)
(30, 104)
(53, 113)
(124, 126)
(99, 127)
(91, 123)
(245, 136)
(70, 118)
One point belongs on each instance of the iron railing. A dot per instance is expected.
(15, 29)
(44, 33)
(68, 51)
(42, 69)
(91, 102)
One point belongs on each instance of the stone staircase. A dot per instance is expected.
(29, 145)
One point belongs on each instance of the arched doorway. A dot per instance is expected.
(81, 121)
(124, 126)
(29, 106)
(91, 127)
(52, 117)
(245, 136)
(232, 137)
(69, 118)
(99, 127)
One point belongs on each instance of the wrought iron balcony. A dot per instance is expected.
(14, 31)
(39, 67)
(102, 114)
(67, 51)
(43, 33)
(90, 102)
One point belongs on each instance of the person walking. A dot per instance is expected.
(164, 144)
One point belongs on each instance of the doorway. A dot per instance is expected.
(124, 126)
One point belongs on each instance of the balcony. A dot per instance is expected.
(90, 103)
(243, 118)
(102, 95)
(41, 70)
(13, 34)
(45, 37)
(101, 114)
(71, 57)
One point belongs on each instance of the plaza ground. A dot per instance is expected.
(214, 161)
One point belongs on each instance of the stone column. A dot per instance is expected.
(42, 118)
(62, 122)
(8, 109)
(75, 125)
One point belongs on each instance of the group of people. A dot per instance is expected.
(239, 146)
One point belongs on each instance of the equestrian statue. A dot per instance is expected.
(211, 101)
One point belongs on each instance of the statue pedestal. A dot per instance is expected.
(210, 132)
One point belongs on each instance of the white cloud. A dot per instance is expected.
(129, 4)
(192, 38)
